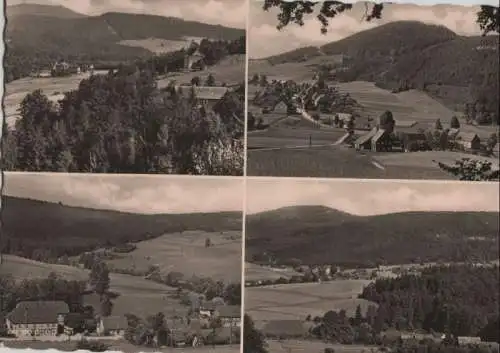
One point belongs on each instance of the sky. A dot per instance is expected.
(146, 194)
(230, 13)
(371, 197)
(265, 40)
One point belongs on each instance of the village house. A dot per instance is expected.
(381, 141)
(468, 141)
(208, 97)
(364, 141)
(112, 326)
(37, 318)
(229, 315)
(193, 60)
(207, 310)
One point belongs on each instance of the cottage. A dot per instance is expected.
(207, 96)
(364, 141)
(381, 141)
(411, 139)
(37, 318)
(190, 61)
(207, 309)
(112, 326)
(229, 315)
(468, 141)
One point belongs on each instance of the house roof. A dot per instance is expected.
(208, 306)
(284, 328)
(38, 312)
(366, 137)
(467, 136)
(92, 299)
(380, 133)
(453, 132)
(205, 92)
(229, 311)
(405, 123)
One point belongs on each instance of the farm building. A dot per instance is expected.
(207, 96)
(207, 309)
(468, 141)
(37, 318)
(229, 315)
(381, 141)
(364, 141)
(112, 326)
(195, 59)
(284, 329)
(280, 108)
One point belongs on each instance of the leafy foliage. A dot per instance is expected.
(472, 170)
(253, 340)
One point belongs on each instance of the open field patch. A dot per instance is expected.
(186, 253)
(297, 72)
(296, 346)
(333, 161)
(298, 300)
(137, 295)
(254, 272)
(289, 137)
(156, 45)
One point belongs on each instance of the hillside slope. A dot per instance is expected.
(41, 10)
(30, 226)
(317, 238)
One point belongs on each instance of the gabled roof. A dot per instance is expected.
(467, 136)
(366, 137)
(380, 133)
(284, 328)
(115, 323)
(38, 312)
(229, 311)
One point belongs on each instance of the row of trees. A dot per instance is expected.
(121, 123)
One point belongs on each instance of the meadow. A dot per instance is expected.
(298, 72)
(303, 346)
(297, 301)
(137, 295)
(255, 272)
(339, 162)
(285, 137)
(186, 253)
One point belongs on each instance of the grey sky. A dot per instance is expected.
(366, 197)
(266, 40)
(130, 193)
(224, 12)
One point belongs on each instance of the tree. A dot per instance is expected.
(488, 17)
(210, 81)
(472, 170)
(99, 277)
(438, 125)
(386, 121)
(106, 306)
(195, 81)
(454, 123)
(253, 340)
(208, 243)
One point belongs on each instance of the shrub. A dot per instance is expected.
(92, 346)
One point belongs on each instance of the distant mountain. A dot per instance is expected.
(31, 225)
(411, 53)
(41, 10)
(318, 235)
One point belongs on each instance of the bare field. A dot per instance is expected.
(296, 346)
(186, 253)
(254, 272)
(297, 301)
(292, 137)
(231, 70)
(137, 295)
(297, 72)
(335, 161)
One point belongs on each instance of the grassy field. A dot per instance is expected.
(186, 253)
(339, 162)
(137, 295)
(156, 45)
(230, 70)
(254, 272)
(290, 71)
(290, 137)
(297, 301)
(121, 346)
(296, 346)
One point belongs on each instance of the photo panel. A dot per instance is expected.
(121, 262)
(388, 91)
(146, 86)
(371, 266)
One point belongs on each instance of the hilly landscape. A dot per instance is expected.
(320, 235)
(34, 228)
(409, 54)
(37, 35)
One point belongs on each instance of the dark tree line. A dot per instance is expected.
(121, 122)
(460, 300)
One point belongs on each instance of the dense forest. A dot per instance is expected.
(39, 230)
(318, 235)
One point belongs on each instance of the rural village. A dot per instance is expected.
(323, 280)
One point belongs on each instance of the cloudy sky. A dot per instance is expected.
(130, 193)
(364, 197)
(223, 12)
(265, 40)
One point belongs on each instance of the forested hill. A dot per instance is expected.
(318, 235)
(35, 38)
